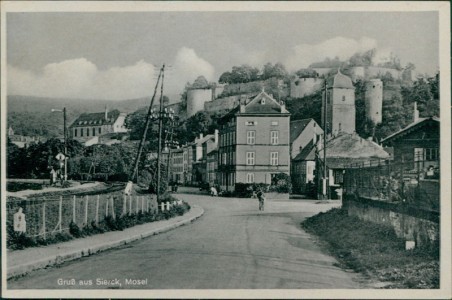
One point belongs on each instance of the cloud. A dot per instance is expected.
(187, 66)
(79, 78)
(304, 54)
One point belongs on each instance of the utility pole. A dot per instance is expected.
(143, 138)
(325, 129)
(65, 144)
(159, 153)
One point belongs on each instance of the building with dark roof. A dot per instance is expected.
(253, 142)
(303, 169)
(92, 125)
(347, 149)
(417, 142)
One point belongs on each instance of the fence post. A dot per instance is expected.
(73, 209)
(86, 210)
(106, 207)
(147, 204)
(97, 210)
(142, 204)
(60, 219)
(136, 200)
(113, 208)
(124, 207)
(130, 205)
(44, 219)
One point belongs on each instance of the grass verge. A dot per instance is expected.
(375, 251)
(18, 241)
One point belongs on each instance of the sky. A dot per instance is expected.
(117, 55)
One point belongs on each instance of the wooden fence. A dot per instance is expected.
(51, 215)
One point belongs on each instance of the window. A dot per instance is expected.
(250, 123)
(250, 178)
(94, 131)
(251, 137)
(75, 132)
(81, 131)
(274, 123)
(87, 131)
(99, 130)
(431, 154)
(250, 158)
(343, 98)
(274, 137)
(274, 158)
(224, 158)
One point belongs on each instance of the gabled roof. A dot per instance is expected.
(96, 118)
(348, 145)
(260, 104)
(199, 142)
(297, 127)
(307, 153)
(410, 128)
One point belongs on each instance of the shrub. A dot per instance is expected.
(281, 183)
(75, 230)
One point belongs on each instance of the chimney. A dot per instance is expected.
(106, 113)
(415, 113)
(283, 105)
(216, 136)
(242, 107)
(201, 135)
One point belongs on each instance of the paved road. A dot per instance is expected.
(233, 246)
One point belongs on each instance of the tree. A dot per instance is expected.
(200, 83)
(278, 71)
(226, 77)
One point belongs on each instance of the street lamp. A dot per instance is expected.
(65, 139)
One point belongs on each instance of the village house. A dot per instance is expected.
(23, 141)
(198, 161)
(88, 127)
(345, 150)
(253, 142)
(417, 143)
(303, 169)
(304, 134)
(177, 165)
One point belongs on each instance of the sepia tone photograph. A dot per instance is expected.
(226, 149)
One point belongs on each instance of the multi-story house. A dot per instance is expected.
(92, 125)
(304, 135)
(253, 142)
(199, 156)
(177, 165)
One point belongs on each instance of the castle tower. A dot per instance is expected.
(340, 106)
(196, 99)
(374, 100)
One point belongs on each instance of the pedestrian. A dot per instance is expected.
(53, 176)
(261, 197)
(213, 191)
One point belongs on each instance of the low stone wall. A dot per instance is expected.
(409, 223)
(277, 196)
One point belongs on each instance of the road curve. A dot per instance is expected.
(233, 246)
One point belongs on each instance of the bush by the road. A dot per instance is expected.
(375, 250)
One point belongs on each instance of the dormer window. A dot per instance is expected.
(263, 101)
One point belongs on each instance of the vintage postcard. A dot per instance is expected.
(204, 149)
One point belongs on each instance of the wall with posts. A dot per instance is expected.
(409, 223)
(54, 214)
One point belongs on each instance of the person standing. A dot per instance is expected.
(261, 197)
